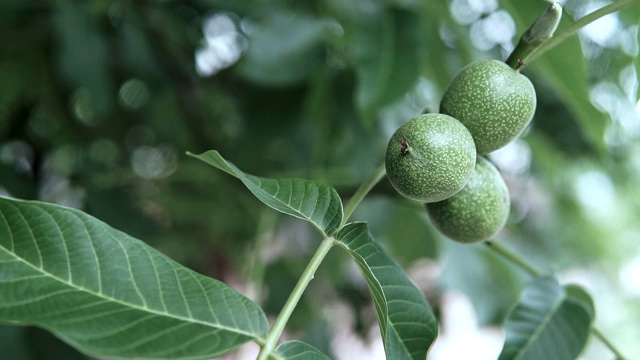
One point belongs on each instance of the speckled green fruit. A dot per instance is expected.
(430, 157)
(478, 211)
(494, 101)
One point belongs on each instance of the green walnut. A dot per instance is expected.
(494, 101)
(478, 211)
(430, 157)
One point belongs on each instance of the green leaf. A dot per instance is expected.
(297, 350)
(550, 322)
(317, 203)
(13, 342)
(109, 294)
(407, 323)
(388, 57)
(271, 61)
(565, 69)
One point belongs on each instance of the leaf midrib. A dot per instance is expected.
(252, 179)
(542, 325)
(130, 305)
(388, 323)
(112, 300)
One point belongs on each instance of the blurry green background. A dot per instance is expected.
(100, 100)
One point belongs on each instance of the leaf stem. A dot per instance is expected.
(294, 298)
(362, 191)
(515, 258)
(534, 271)
(597, 333)
(537, 34)
(575, 26)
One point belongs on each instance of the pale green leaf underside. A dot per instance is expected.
(550, 322)
(109, 294)
(296, 350)
(317, 203)
(407, 323)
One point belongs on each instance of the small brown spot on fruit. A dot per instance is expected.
(404, 147)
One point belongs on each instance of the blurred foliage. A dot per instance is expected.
(100, 99)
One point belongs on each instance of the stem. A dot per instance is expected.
(597, 333)
(575, 26)
(534, 271)
(515, 258)
(292, 301)
(537, 34)
(362, 191)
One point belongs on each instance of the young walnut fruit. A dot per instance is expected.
(430, 157)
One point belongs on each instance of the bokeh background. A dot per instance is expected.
(100, 100)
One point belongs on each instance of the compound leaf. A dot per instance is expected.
(317, 203)
(550, 322)
(110, 295)
(407, 323)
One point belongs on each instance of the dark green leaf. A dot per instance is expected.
(13, 342)
(32, 343)
(296, 350)
(388, 55)
(550, 322)
(84, 56)
(317, 203)
(270, 60)
(109, 294)
(407, 323)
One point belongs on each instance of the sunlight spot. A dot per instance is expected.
(629, 278)
(19, 155)
(466, 12)
(154, 162)
(499, 27)
(82, 106)
(608, 97)
(604, 31)
(628, 80)
(479, 38)
(629, 41)
(133, 94)
(514, 158)
(595, 191)
(422, 97)
(223, 45)
(462, 13)
(460, 325)
(447, 35)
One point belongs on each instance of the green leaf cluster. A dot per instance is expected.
(98, 288)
